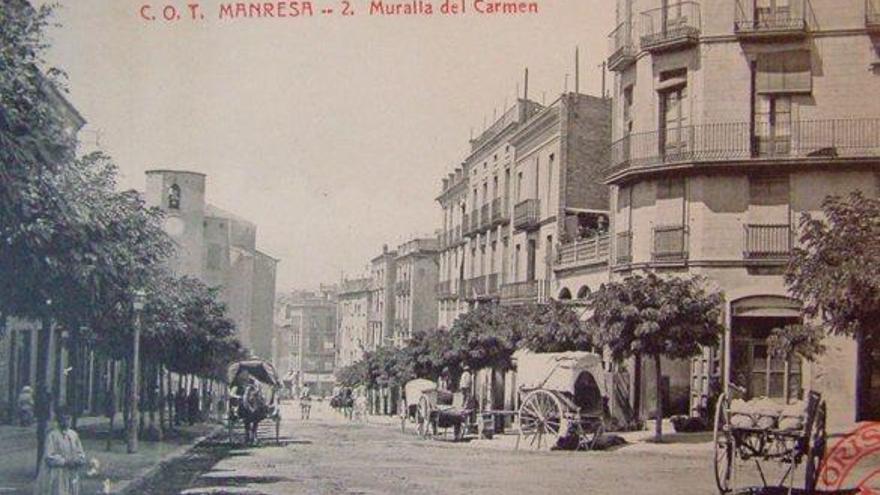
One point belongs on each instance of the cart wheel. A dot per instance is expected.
(816, 449)
(725, 445)
(423, 415)
(540, 420)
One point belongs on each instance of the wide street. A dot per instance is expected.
(329, 455)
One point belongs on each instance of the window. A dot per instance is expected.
(773, 125)
(772, 13)
(519, 184)
(627, 110)
(673, 112)
(788, 72)
(174, 197)
(762, 374)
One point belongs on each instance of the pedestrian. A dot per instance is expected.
(305, 402)
(180, 406)
(26, 406)
(63, 460)
(169, 400)
(192, 406)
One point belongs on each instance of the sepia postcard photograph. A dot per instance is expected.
(439, 247)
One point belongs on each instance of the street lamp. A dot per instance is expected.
(138, 305)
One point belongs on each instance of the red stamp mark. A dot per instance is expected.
(854, 462)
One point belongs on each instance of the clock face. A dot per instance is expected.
(174, 226)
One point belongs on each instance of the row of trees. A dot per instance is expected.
(76, 254)
(639, 317)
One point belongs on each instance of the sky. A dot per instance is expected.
(331, 133)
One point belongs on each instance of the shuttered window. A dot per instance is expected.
(784, 72)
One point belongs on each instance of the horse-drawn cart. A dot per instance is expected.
(433, 409)
(759, 432)
(563, 398)
(251, 381)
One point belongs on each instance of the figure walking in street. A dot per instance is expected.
(26, 406)
(63, 460)
(180, 406)
(305, 402)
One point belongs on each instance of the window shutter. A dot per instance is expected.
(785, 73)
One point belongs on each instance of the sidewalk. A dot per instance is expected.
(18, 456)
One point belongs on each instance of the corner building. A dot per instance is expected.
(731, 119)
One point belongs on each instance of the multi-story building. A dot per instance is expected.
(218, 248)
(353, 303)
(310, 327)
(560, 204)
(731, 119)
(476, 201)
(415, 305)
(382, 298)
(531, 182)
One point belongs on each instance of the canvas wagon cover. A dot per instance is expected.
(261, 370)
(557, 371)
(414, 388)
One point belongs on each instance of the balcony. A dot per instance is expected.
(477, 288)
(672, 27)
(670, 243)
(624, 248)
(736, 142)
(531, 292)
(754, 23)
(492, 285)
(527, 214)
(872, 16)
(585, 252)
(621, 47)
(767, 242)
(442, 290)
(500, 215)
(485, 217)
(402, 288)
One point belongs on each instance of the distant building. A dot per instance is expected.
(309, 334)
(415, 288)
(381, 317)
(218, 248)
(353, 321)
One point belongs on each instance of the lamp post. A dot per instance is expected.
(133, 371)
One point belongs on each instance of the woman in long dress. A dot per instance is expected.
(63, 460)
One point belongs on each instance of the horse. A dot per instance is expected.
(252, 410)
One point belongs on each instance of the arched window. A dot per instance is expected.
(565, 294)
(174, 197)
(583, 292)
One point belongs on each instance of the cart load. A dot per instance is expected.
(254, 398)
(563, 396)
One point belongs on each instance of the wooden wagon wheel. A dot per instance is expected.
(724, 446)
(423, 415)
(817, 439)
(540, 420)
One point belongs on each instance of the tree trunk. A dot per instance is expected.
(126, 386)
(58, 373)
(13, 369)
(637, 388)
(658, 425)
(110, 405)
(134, 369)
(44, 397)
(75, 363)
(160, 378)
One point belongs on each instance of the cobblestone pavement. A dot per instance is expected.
(329, 455)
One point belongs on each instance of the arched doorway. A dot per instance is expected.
(583, 292)
(565, 294)
(752, 368)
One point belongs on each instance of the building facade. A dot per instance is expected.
(353, 307)
(309, 334)
(416, 275)
(218, 248)
(383, 275)
(731, 119)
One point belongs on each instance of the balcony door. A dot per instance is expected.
(672, 18)
(673, 122)
(531, 254)
(773, 125)
(772, 13)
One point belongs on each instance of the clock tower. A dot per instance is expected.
(181, 195)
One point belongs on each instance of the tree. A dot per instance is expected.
(835, 273)
(656, 317)
(485, 337)
(555, 327)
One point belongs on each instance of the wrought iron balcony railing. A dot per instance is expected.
(534, 291)
(477, 287)
(465, 225)
(492, 285)
(584, 252)
(527, 214)
(671, 27)
(670, 243)
(624, 252)
(475, 222)
(784, 19)
(767, 242)
(621, 47)
(741, 141)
